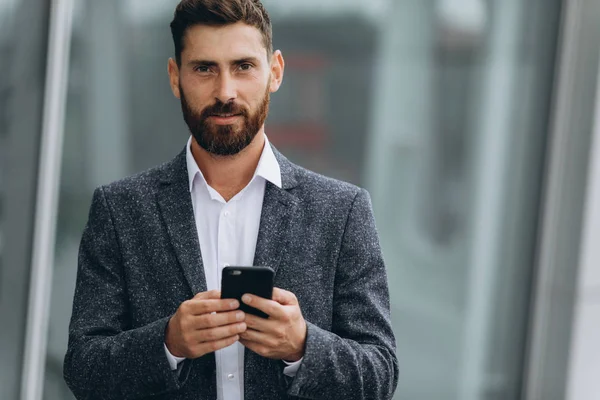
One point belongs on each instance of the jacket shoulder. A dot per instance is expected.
(320, 187)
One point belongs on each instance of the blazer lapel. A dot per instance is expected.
(178, 215)
(278, 210)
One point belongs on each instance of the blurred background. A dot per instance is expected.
(474, 124)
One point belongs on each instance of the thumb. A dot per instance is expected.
(284, 297)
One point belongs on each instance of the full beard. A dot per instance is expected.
(224, 140)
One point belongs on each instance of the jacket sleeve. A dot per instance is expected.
(106, 358)
(357, 359)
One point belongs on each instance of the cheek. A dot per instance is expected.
(255, 92)
(194, 84)
(196, 95)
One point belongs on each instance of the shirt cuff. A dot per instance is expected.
(175, 361)
(292, 367)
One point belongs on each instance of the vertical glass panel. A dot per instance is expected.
(439, 108)
(23, 41)
(5, 14)
(457, 139)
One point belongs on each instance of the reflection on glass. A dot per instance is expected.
(6, 51)
(455, 163)
(437, 107)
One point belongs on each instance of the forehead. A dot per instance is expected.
(223, 43)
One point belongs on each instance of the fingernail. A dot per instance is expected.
(242, 327)
(239, 316)
(234, 304)
(246, 298)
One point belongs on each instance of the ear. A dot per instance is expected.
(277, 68)
(174, 77)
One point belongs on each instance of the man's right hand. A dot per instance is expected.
(203, 325)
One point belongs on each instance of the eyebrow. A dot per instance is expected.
(209, 63)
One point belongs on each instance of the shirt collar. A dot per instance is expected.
(268, 167)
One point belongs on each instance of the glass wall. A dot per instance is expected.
(23, 55)
(457, 151)
(439, 108)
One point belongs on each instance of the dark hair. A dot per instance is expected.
(218, 13)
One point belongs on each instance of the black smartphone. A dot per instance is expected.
(237, 281)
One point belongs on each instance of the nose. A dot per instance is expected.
(226, 89)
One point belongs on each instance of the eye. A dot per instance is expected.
(202, 69)
(246, 67)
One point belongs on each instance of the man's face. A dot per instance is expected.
(224, 84)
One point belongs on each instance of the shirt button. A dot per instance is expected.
(226, 213)
(230, 377)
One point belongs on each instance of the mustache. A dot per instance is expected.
(224, 108)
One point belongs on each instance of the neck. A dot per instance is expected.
(228, 175)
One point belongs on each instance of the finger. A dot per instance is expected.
(221, 332)
(256, 337)
(200, 307)
(209, 347)
(255, 347)
(212, 294)
(269, 307)
(214, 320)
(284, 297)
(260, 324)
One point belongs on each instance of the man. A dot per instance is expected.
(148, 320)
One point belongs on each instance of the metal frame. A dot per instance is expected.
(59, 42)
(564, 192)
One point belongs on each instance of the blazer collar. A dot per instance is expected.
(176, 170)
(289, 171)
(268, 166)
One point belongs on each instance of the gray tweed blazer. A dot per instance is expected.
(139, 259)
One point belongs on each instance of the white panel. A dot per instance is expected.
(584, 369)
(585, 361)
(590, 260)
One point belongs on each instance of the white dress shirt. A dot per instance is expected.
(227, 232)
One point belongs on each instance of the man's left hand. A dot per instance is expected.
(283, 335)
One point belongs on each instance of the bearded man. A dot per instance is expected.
(148, 319)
